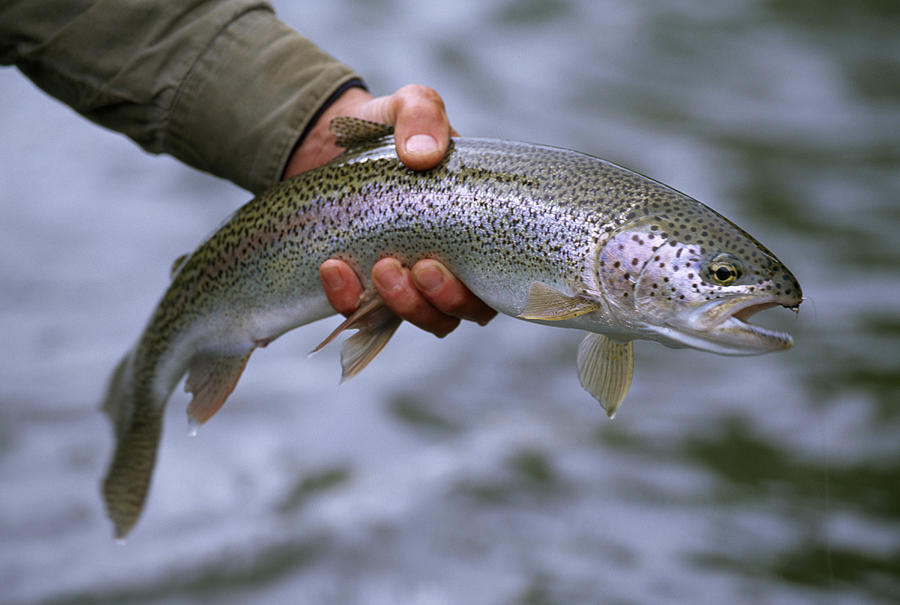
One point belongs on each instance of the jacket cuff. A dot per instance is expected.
(248, 99)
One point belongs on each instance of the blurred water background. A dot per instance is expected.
(475, 469)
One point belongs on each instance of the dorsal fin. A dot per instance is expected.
(355, 131)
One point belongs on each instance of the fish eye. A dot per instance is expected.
(724, 270)
(724, 274)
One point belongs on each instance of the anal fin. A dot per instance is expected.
(549, 304)
(604, 369)
(211, 379)
(375, 323)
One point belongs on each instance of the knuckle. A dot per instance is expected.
(446, 327)
(341, 303)
(485, 316)
(405, 302)
(420, 96)
(454, 302)
(407, 307)
(454, 298)
(411, 307)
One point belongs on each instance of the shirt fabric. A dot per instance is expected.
(222, 85)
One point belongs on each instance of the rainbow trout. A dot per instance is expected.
(542, 234)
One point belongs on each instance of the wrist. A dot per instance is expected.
(317, 145)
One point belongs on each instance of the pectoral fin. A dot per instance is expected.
(604, 369)
(375, 323)
(211, 379)
(549, 304)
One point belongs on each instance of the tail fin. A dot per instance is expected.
(137, 429)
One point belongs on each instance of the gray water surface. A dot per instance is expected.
(474, 469)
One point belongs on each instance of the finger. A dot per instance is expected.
(395, 285)
(342, 286)
(448, 294)
(421, 127)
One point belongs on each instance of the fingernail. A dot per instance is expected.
(331, 275)
(428, 279)
(421, 144)
(389, 278)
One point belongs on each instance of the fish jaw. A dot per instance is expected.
(723, 327)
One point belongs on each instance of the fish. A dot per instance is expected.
(543, 234)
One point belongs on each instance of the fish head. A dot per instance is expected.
(688, 277)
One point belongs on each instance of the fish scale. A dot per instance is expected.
(547, 235)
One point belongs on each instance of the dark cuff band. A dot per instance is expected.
(354, 83)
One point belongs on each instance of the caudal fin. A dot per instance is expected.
(137, 430)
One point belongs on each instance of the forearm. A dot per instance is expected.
(223, 86)
(227, 88)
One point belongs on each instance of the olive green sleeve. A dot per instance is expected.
(222, 85)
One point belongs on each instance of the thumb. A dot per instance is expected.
(421, 127)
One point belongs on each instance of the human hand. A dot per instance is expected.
(428, 295)
(421, 128)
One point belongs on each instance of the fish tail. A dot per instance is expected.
(137, 432)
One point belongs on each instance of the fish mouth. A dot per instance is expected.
(724, 326)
